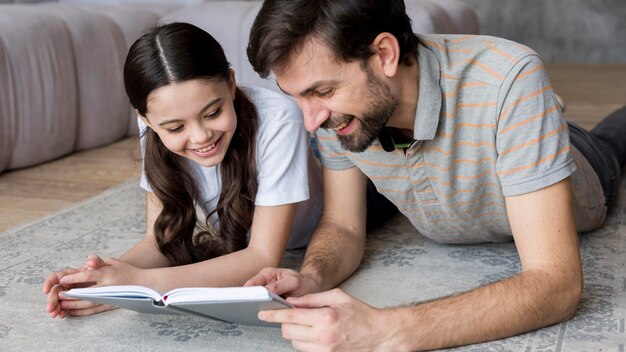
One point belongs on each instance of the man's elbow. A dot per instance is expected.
(569, 299)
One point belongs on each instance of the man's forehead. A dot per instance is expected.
(309, 64)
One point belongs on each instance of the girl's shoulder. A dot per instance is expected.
(273, 107)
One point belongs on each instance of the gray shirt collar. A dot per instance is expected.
(429, 99)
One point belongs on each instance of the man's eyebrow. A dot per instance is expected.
(208, 105)
(313, 87)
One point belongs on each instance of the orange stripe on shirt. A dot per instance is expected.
(477, 105)
(459, 191)
(528, 120)
(530, 72)
(531, 165)
(463, 86)
(482, 66)
(324, 138)
(379, 164)
(321, 149)
(449, 76)
(463, 38)
(477, 125)
(524, 98)
(535, 141)
(493, 48)
(435, 44)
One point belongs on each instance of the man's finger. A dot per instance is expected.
(297, 332)
(321, 299)
(297, 316)
(305, 346)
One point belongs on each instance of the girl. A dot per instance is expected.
(241, 155)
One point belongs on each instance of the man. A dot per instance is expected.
(465, 136)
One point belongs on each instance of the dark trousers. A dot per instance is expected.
(605, 149)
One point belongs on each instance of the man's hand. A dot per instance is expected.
(284, 282)
(333, 321)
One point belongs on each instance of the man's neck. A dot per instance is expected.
(408, 84)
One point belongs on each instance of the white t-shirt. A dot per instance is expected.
(288, 172)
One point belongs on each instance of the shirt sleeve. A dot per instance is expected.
(282, 163)
(143, 181)
(532, 139)
(333, 156)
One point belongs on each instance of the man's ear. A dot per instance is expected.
(232, 82)
(387, 51)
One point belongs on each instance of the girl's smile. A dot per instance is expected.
(209, 150)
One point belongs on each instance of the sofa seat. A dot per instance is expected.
(61, 63)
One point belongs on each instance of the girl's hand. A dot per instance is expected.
(104, 272)
(52, 288)
(60, 306)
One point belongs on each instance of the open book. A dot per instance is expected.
(238, 305)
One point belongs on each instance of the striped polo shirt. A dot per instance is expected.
(487, 126)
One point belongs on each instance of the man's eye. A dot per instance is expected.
(325, 93)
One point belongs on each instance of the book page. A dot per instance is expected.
(124, 291)
(216, 294)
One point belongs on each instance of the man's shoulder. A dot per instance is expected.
(478, 57)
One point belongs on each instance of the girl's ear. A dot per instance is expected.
(143, 119)
(232, 82)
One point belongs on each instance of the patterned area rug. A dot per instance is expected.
(400, 267)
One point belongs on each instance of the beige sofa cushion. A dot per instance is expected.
(39, 100)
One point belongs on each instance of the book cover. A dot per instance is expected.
(237, 305)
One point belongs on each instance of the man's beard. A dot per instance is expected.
(381, 104)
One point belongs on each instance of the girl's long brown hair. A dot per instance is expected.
(179, 52)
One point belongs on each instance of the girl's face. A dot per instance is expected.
(195, 119)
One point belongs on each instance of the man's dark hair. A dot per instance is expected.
(348, 27)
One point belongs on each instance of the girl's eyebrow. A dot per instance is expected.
(206, 107)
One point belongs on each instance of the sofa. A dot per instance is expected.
(61, 85)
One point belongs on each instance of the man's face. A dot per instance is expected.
(345, 97)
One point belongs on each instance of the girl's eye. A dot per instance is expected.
(325, 93)
(174, 130)
(214, 114)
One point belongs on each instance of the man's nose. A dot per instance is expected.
(314, 115)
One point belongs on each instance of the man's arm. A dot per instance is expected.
(546, 291)
(338, 243)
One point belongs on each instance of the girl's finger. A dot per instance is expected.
(88, 311)
(72, 305)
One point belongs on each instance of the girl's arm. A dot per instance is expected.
(270, 231)
(269, 235)
(145, 254)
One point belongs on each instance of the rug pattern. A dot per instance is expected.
(400, 267)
